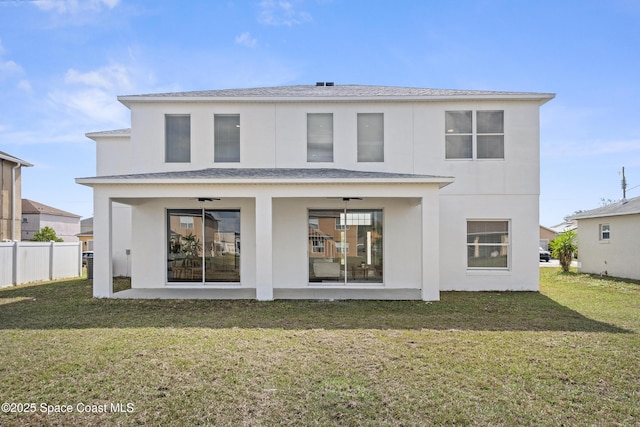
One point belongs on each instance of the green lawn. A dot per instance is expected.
(569, 355)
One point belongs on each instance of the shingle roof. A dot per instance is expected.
(623, 207)
(336, 92)
(269, 173)
(31, 207)
(115, 132)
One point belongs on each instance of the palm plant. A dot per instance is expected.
(563, 247)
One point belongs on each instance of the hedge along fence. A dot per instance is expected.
(25, 262)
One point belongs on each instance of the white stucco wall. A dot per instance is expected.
(522, 214)
(617, 256)
(113, 155)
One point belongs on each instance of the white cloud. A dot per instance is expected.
(282, 12)
(114, 76)
(7, 67)
(245, 39)
(91, 96)
(95, 104)
(25, 86)
(74, 6)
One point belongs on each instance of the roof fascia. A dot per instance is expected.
(541, 98)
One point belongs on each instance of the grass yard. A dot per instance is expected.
(569, 355)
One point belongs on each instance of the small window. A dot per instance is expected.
(490, 138)
(488, 245)
(177, 138)
(370, 137)
(226, 144)
(605, 232)
(186, 222)
(320, 137)
(482, 140)
(459, 138)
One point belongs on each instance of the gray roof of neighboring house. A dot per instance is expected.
(335, 92)
(276, 174)
(31, 207)
(623, 207)
(567, 225)
(13, 159)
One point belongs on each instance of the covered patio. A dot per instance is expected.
(276, 208)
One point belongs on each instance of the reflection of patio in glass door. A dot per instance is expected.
(345, 246)
(204, 245)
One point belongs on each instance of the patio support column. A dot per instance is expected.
(264, 248)
(430, 246)
(102, 247)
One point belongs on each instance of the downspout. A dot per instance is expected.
(13, 202)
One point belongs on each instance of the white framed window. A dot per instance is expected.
(488, 244)
(187, 222)
(177, 138)
(320, 137)
(482, 138)
(317, 244)
(370, 137)
(226, 138)
(605, 231)
(342, 247)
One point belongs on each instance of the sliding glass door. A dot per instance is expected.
(203, 245)
(345, 246)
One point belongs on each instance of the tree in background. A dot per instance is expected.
(46, 234)
(563, 247)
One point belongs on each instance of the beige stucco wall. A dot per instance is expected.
(7, 198)
(616, 257)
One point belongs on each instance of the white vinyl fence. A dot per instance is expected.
(24, 262)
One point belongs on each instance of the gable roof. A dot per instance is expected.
(623, 207)
(13, 159)
(331, 93)
(31, 207)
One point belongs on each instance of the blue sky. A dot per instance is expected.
(63, 62)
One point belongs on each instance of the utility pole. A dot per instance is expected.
(624, 185)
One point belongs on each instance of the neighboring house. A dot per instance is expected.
(566, 225)
(86, 234)
(325, 191)
(546, 235)
(609, 239)
(36, 216)
(11, 196)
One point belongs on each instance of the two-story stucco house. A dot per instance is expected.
(320, 191)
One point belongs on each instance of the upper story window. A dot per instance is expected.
(177, 138)
(605, 232)
(486, 142)
(370, 137)
(226, 134)
(320, 137)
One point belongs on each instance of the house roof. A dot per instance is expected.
(331, 93)
(31, 207)
(564, 226)
(109, 133)
(623, 207)
(267, 176)
(13, 159)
